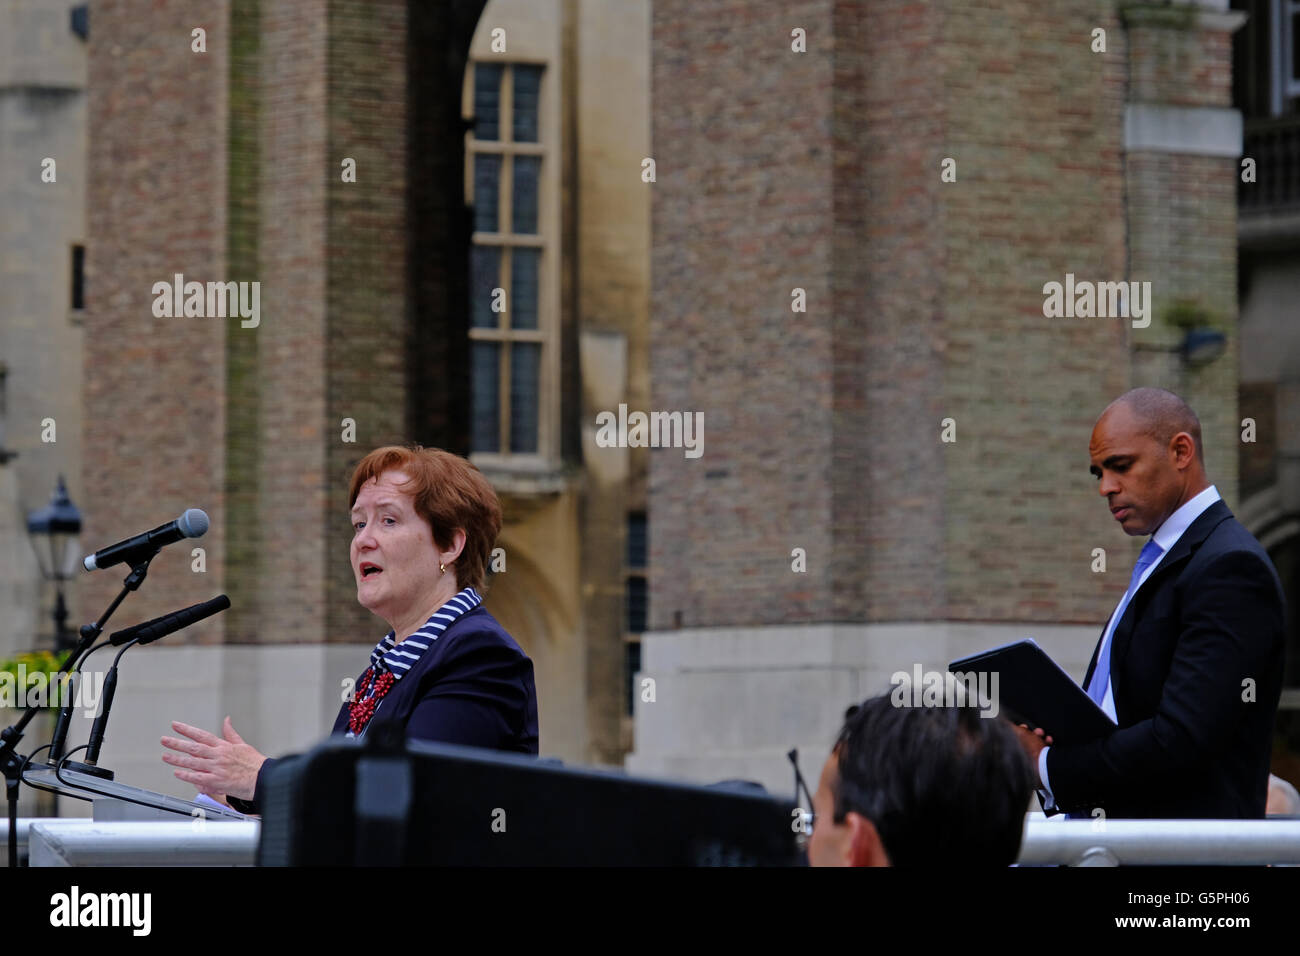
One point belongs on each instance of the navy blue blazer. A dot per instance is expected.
(1196, 673)
(473, 686)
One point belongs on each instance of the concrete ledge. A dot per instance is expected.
(1195, 130)
(1184, 15)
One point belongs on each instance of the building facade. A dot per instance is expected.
(382, 171)
(823, 231)
(1266, 89)
(859, 210)
(42, 239)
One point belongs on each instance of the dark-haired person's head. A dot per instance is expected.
(920, 786)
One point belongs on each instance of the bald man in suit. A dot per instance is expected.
(1189, 665)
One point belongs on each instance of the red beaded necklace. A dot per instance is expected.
(373, 689)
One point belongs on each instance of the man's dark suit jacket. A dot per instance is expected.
(1208, 618)
(473, 686)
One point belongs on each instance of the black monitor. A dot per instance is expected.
(347, 803)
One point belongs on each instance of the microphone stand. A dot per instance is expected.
(11, 763)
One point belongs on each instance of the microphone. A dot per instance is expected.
(145, 633)
(60, 736)
(150, 631)
(96, 740)
(192, 524)
(61, 725)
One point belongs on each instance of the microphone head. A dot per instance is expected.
(193, 524)
(89, 563)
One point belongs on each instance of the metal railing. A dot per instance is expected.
(69, 842)
(1161, 842)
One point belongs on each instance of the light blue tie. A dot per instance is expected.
(1101, 674)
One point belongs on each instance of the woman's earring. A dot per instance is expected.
(442, 567)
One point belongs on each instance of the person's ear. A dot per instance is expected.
(864, 846)
(1182, 449)
(457, 546)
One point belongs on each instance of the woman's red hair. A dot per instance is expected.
(449, 493)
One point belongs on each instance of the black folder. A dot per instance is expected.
(1034, 690)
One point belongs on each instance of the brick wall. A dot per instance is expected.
(332, 344)
(245, 542)
(365, 371)
(1183, 211)
(154, 388)
(741, 213)
(292, 346)
(1035, 122)
(822, 170)
(309, 86)
(890, 299)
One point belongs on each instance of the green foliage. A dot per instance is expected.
(1188, 314)
(37, 662)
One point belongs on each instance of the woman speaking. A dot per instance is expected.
(424, 524)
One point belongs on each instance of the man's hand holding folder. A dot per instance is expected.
(1033, 742)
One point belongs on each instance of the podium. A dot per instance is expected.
(118, 802)
(132, 826)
